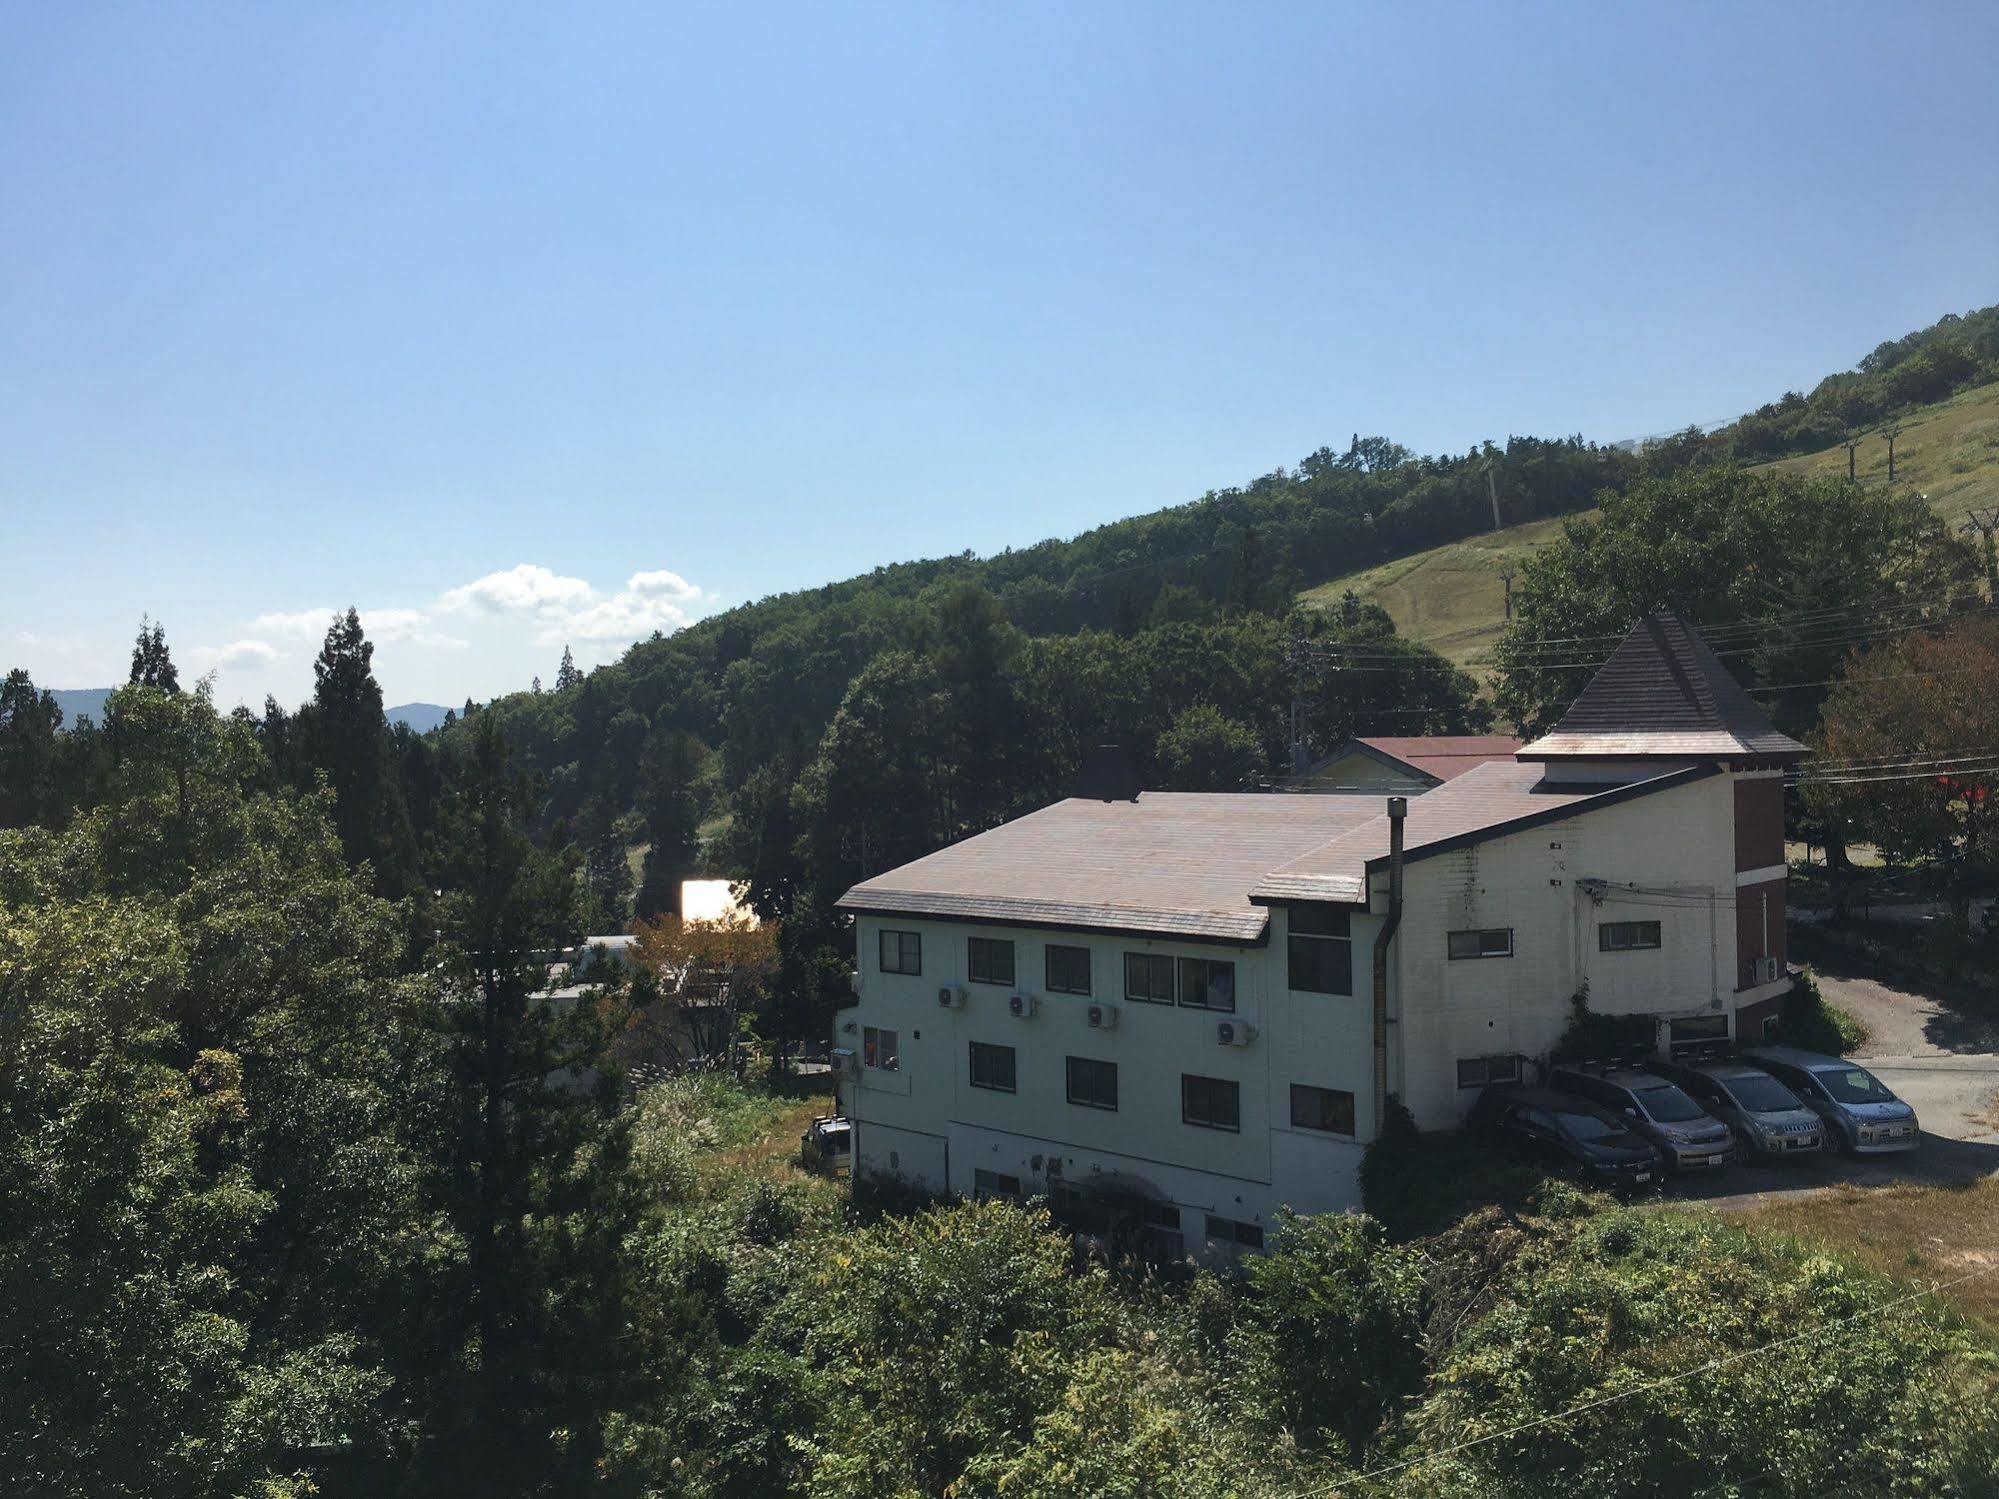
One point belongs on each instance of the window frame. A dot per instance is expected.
(1048, 969)
(1478, 934)
(871, 1048)
(1352, 1131)
(1182, 967)
(992, 1050)
(995, 1184)
(973, 945)
(1153, 960)
(1486, 1079)
(1605, 928)
(1069, 1066)
(1234, 1091)
(1221, 1230)
(1299, 940)
(903, 939)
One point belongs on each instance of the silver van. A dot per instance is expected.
(1768, 1118)
(1861, 1113)
(1687, 1137)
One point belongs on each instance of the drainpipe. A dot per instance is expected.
(1398, 808)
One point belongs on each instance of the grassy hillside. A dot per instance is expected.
(1451, 598)
(1949, 452)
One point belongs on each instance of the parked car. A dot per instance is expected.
(1689, 1139)
(828, 1142)
(1861, 1113)
(1768, 1119)
(1564, 1128)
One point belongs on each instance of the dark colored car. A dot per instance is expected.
(1862, 1114)
(1563, 1128)
(1688, 1137)
(1767, 1117)
(828, 1142)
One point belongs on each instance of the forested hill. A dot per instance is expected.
(809, 738)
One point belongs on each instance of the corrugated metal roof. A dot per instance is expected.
(1178, 863)
(1496, 797)
(1662, 694)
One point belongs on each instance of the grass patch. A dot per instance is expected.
(1949, 453)
(701, 1136)
(1913, 1233)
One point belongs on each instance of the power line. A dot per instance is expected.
(1723, 1362)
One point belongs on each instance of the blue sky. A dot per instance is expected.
(514, 325)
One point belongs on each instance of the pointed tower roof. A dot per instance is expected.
(1663, 695)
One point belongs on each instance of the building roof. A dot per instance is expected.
(1663, 695)
(1176, 863)
(1501, 796)
(1442, 757)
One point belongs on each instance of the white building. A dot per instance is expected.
(1196, 1004)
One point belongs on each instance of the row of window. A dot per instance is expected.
(1497, 941)
(1149, 978)
(1210, 1102)
(1163, 1216)
(1320, 959)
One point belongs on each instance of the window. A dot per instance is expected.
(1477, 1072)
(1207, 984)
(1698, 1033)
(1092, 1084)
(1211, 1102)
(1329, 1109)
(902, 952)
(1161, 1215)
(1483, 942)
(1626, 936)
(1148, 978)
(992, 1067)
(992, 1184)
(1069, 970)
(878, 1048)
(1229, 1231)
(989, 960)
(1321, 949)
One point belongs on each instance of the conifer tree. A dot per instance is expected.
(152, 666)
(566, 675)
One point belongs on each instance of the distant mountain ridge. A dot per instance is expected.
(88, 702)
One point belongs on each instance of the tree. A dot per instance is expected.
(566, 675)
(1904, 731)
(536, 1191)
(29, 750)
(700, 980)
(1796, 570)
(152, 666)
(669, 805)
(215, 1095)
(1207, 751)
(344, 735)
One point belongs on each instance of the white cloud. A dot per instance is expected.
(648, 602)
(301, 624)
(526, 588)
(237, 655)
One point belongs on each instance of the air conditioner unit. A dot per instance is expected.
(1103, 1017)
(1234, 1032)
(951, 997)
(1767, 971)
(843, 1061)
(1022, 1006)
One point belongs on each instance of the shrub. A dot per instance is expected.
(1806, 1020)
(1623, 1301)
(1418, 1184)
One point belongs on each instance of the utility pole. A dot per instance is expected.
(1492, 493)
(1506, 577)
(1986, 522)
(1892, 431)
(1852, 443)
